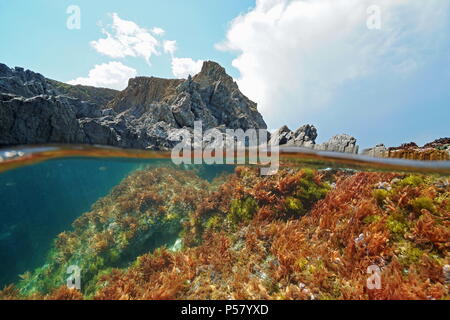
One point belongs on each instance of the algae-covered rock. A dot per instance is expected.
(145, 211)
(246, 236)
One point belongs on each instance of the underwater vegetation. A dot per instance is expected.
(165, 233)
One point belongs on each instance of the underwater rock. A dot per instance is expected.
(145, 211)
(247, 236)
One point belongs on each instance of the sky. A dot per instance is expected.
(375, 69)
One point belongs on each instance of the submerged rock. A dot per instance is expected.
(167, 234)
(144, 212)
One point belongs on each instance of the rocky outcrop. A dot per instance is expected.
(38, 120)
(306, 135)
(26, 83)
(210, 96)
(379, 151)
(339, 143)
(98, 96)
(436, 151)
(148, 114)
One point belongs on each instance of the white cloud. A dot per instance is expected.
(158, 31)
(183, 67)
(128, 39)
(112, 75)
(294, 55)
(170, 46)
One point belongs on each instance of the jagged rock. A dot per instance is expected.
(379, 151)
(26, 83)
(38, 120)
(281, 136)
(144, 91)
(223, 98)
(23, 83)
(306, 136)
(147, 114)
(182, 112)
(339, 143)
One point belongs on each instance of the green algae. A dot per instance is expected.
(241, 210)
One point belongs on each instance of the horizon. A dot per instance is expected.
(385, 85)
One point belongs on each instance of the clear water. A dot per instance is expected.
(43, 190)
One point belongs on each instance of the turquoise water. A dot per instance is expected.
(40, 201)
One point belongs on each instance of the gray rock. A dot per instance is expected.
(339, 143)
(38, 120)
(148, 114)
(181, 110)
(379, 151)
(306, 136)
(281, 136)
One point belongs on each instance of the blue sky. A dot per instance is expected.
(34, 33)
(303, 61)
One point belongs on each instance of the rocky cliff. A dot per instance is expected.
(35, 110)
(27, 84)
(210, 96)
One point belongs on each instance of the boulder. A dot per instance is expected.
(339, 143)
(306, 136)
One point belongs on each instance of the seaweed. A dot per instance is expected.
(289, 236)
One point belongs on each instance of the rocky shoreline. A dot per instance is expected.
(437, 150)
(148, 114)
(151, 113)
(37, 110)
(306, 135)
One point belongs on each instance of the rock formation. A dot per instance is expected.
(379, 151)
(339, 143)
(147, 114)
(306, 135)
(436, 150)
(26, 83)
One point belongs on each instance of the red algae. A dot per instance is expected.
(300, 234)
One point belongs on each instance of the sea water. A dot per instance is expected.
(44, 190)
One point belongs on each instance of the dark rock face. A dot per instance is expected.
(211, 96)
(26, 83)
(147, 114)
(37, 120)
(23, 83)
(306, 135)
